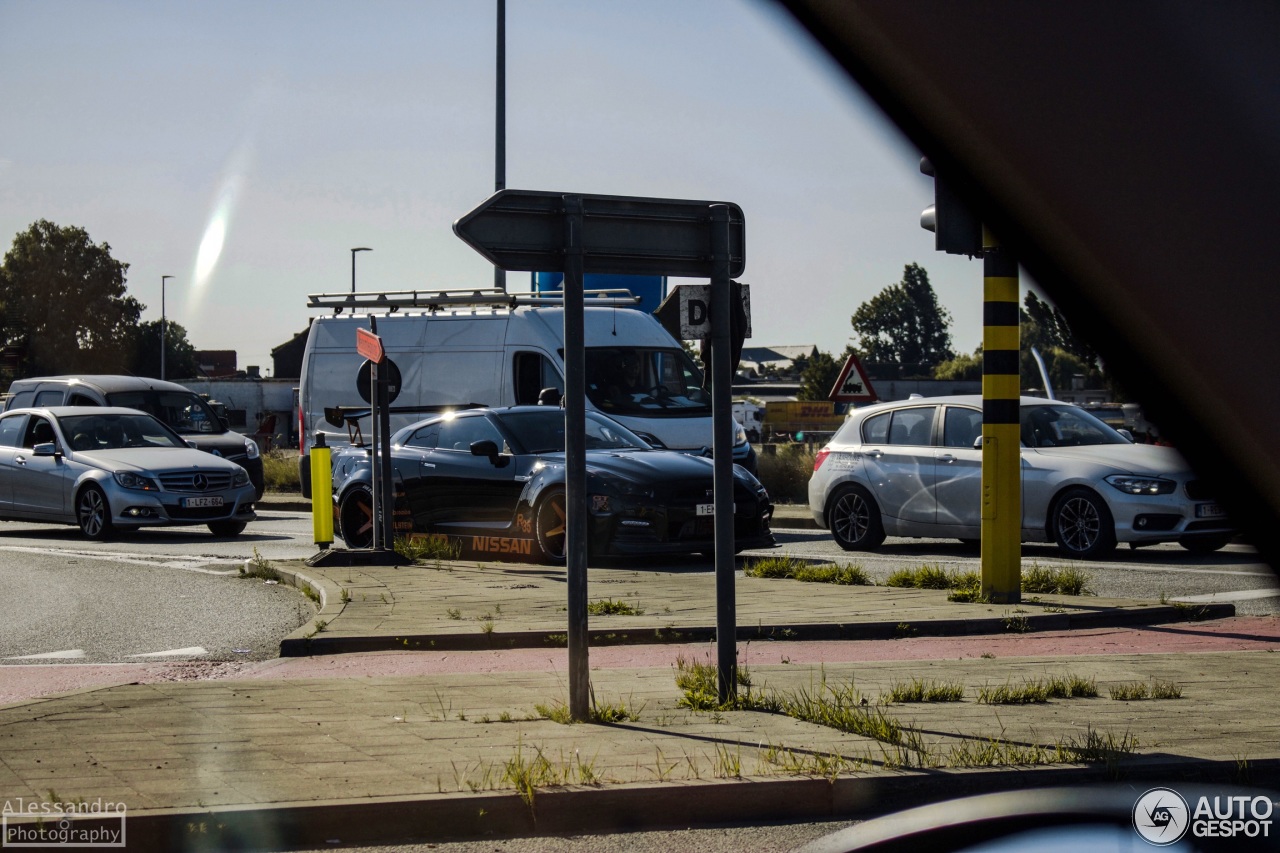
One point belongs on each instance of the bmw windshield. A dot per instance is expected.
(1064, 426)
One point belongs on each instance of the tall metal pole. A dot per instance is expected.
(353, 264)
(500, 126)
(163, 323)
(575, 453)
(1001, 459)
(722, 437)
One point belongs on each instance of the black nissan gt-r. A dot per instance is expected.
(493, 481)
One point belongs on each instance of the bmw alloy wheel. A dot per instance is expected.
(854, 520)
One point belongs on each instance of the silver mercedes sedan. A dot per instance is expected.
(914, 468)
(108, 469)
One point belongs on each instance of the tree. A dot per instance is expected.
(904, 326)
(65, 308)
(179, 354)
(1042, 326)
(820, 373)
(962, 368)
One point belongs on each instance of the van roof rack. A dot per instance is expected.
(433, 300)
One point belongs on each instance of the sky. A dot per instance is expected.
(244, 148)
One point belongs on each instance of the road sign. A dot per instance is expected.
(853, 386)
(624, 235)
(685, 312)
(369, 345)
(392, 371)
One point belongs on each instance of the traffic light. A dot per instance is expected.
(956, 228)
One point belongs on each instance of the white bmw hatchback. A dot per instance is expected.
(914, 468)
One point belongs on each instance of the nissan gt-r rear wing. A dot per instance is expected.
(350, 416)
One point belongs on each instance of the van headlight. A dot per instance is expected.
(1132, 485)
(130, 480)
(251, 448)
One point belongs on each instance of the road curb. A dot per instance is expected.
(619, 808)
(301, 644)
(330, 607)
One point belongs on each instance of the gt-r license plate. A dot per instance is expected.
(1209, 511)
(706, 509)
(197, 503)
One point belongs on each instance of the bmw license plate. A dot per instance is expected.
(196, 503)
(1209, 511)
(706, 509)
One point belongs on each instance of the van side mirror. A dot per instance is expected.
(977, 443)
(549, 397)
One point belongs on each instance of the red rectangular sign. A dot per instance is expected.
(369, 345)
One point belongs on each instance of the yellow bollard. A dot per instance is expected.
(321, 493)
(1001, 459)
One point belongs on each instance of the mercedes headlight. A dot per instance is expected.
(130, 480)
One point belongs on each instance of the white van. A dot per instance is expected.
(504, 356)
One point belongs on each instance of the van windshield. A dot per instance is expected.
(183, 411)
(645, 382)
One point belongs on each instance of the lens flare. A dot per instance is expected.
(210, 248)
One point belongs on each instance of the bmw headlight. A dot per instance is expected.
(1131, 485)
(130, 480)
(739, 435)
(241, 478)
(251, 448)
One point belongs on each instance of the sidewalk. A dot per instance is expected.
(273, 760)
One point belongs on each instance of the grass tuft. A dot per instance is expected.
(1059, 581)
(920, 690)
(609, 607)
(427, 548)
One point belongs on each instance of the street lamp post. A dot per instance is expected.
(163, 279)
(353, 264)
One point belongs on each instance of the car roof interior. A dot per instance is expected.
(1125, 155)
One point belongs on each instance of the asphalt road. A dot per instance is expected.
(175, 594)
(163, 595)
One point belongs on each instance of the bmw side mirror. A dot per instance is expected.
(49, 448)
(977, 443)
(1127, 435)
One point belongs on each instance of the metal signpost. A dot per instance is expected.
(531, 231)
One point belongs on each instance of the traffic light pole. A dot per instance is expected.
(1001, 459)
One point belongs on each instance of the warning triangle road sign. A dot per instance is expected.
(852, 386)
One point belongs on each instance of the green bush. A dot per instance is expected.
(280, 471)
(786, 473)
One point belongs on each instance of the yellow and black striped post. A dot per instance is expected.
(1001, 461)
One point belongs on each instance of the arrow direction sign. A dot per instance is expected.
(369, 345)
(852, 386)
(524, 230)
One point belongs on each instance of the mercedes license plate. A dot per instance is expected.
(706, 509)
(1209, 511)
(196, 503)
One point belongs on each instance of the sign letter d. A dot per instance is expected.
(697, 312)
